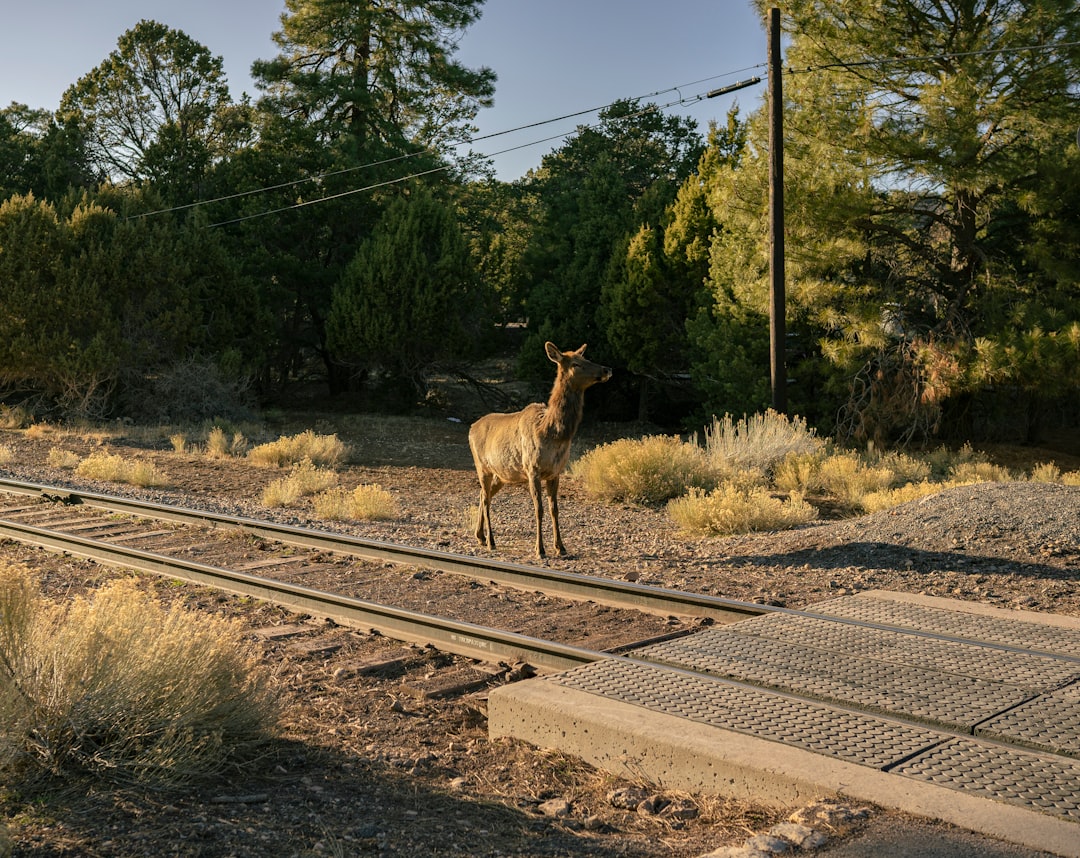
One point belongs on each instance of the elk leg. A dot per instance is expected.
(489, 486)
(483, 526)
(538, 507)
(553, 507)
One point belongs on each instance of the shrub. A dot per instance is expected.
(797, 472)
(887, 499)
(324, 450)
(189, 391)
(758, 442)
(364, 503)
(14, 417)
(60, 458)
(979, 472)
(220, 446)
(905, 468)
(304, 479)
(732, 508)
(116, 686)
(648, 471)
(1047, 472)
(846, 477)
(117, 469)
(944, 461)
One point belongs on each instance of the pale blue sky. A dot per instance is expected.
(553, 57)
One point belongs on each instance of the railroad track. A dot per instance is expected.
(109, 529)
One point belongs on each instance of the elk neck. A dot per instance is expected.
(564, 410)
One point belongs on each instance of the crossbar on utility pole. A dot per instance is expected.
(732, 87)
(777, 295)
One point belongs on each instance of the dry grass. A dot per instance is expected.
(364, 503)
(647, 471)
(325, 450)
(67, 460)
(7, 454)
(759, 456)
(219, 445)
(118, 687)
(113, 468)
(758, 441)
(305, 479)
(732, 508)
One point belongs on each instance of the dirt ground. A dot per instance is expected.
(371, 761)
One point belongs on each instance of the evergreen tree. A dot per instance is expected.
(380, 73)
(409, 298)
(593, 194)
(58, 340)
(360, 96)
(918, 141)
(37, 156)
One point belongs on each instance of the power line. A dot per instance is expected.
(573, 115)
(348, 193)
(400, 179)
(466, 142)
(316, 178)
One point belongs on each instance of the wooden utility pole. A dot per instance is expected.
(777, 295)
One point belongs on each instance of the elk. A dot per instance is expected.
(532, 446)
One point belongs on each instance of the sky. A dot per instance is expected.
(553, 58)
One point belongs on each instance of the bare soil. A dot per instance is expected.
(385, 750)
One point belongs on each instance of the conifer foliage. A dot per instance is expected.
(410, 297)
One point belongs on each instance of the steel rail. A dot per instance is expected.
(607, 591)
(467, 639)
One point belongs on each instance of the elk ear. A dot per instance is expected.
(581, 352)
(553, 352)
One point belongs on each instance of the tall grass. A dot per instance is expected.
(118, 687)
(731, 484)
(219, 444)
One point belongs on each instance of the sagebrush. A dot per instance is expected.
(758, 441)
(116, 686)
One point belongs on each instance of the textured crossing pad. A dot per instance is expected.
(922, 690)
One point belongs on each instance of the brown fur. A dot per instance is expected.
(532, 446)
